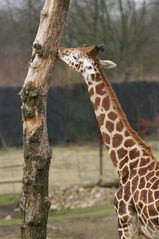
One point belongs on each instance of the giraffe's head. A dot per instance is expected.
(84, 59)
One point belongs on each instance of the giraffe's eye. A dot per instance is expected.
(75, 57)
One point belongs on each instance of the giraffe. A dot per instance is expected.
(137, 198)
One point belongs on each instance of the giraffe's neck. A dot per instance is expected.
(124, 145)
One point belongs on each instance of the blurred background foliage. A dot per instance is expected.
(129, 31)
(127, 28)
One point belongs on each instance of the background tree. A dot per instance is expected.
(128, 28)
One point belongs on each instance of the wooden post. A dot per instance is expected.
(100, 157)
(35, 203)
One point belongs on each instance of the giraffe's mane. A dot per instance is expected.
(123, 117)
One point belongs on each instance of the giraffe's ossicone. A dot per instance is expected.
(137, 198)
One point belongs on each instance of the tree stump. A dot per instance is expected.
(35, 202)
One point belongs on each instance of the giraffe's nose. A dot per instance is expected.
(100, 47)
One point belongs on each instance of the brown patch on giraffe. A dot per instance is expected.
(98, 77)
(143, 194)
(145, 153)
(119, 126)
(106, 138)
(155, 221)
(145, 211)
(153, 179)
(129, 143)
(148, 185)
(144, 161)
(130, 206)
(92, 76)
(113, 158)
(150, 196)
(101, 119)
(106, 103)
(119, 196)
(110, 126)
(124, 219)
(123, 162)
(142, 183)
(97, 103)
(127, 134)
(89, 82)
(117, 140)
(66, 51)
(125, 173)
(112, 116)
(156, 194)
(122, 210)
(121, 153)
(156, 166)
(91, 91)
(134, 154)
(152, 210)
(100, 89)
(157, 174)
(127, 192)
(136, 195)
(140, 205)
(152, 165)
(135, 181)
(134, 164)
(157, 204)
(155, 185)
(149, 175)
(143, 171)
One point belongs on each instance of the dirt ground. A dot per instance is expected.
(101, 228)
(98, 222)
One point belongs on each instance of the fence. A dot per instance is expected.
(70, 114)
(9, 181)
(72, 164)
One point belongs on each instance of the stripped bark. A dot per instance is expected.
(35, 202)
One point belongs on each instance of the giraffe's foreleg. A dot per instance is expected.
(128, 227)
(127, 217)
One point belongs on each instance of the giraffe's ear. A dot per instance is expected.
(108, 64)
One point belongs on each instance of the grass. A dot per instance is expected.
(8, 199)
(12, 221)
(81, 213)
(73, 214)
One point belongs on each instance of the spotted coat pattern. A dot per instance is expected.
(137, 198)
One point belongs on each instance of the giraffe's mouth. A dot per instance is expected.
(60, 52)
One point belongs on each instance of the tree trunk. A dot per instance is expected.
(35, 202)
